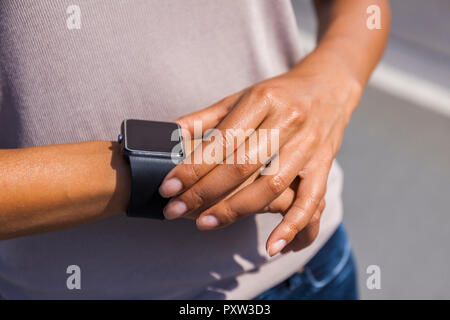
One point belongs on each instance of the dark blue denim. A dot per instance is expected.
(329, 275)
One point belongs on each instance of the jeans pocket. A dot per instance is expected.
(330, 261)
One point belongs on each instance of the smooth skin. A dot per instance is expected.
(55, 187)
(60, 186)
(310, 106)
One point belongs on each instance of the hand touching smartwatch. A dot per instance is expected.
(152, 149)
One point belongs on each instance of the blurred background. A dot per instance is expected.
(396, 155)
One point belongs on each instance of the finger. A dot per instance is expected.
(210, 189)
(311, 190)
(283, 170)
(279, 205)
(209, 117)
(237, 123)
(198, 121)
(226, 177)
(306, 236)
(282, 203)
(193, 214)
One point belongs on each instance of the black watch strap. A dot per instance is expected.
(147, 175)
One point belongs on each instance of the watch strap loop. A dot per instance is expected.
(147, 175)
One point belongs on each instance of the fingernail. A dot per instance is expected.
(175, 209)
(208, 222)
(170, 187)
(276, 247)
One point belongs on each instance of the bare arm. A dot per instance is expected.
(54, 187)
(343, 34)
(310, 106)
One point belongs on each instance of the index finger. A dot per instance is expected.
(310, 192)
(200, 162)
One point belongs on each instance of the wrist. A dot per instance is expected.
(121, 179)
(329, 63)
(334, 80)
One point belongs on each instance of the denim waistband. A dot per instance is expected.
(330, 259)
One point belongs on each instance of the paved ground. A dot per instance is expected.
(396, 160)
(419, 41)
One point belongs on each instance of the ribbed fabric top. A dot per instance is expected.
(141, 59)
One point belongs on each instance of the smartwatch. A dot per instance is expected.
(152, 149)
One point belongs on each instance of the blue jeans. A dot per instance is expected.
(329, 275)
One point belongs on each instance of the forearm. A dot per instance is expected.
(59, 186)
(344, 39)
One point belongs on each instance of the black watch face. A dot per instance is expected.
(153, 137)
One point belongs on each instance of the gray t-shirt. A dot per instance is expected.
(151, 60)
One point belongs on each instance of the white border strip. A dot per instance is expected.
(412, 88)
(400, 83)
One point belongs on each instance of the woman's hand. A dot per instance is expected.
(309, 106)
